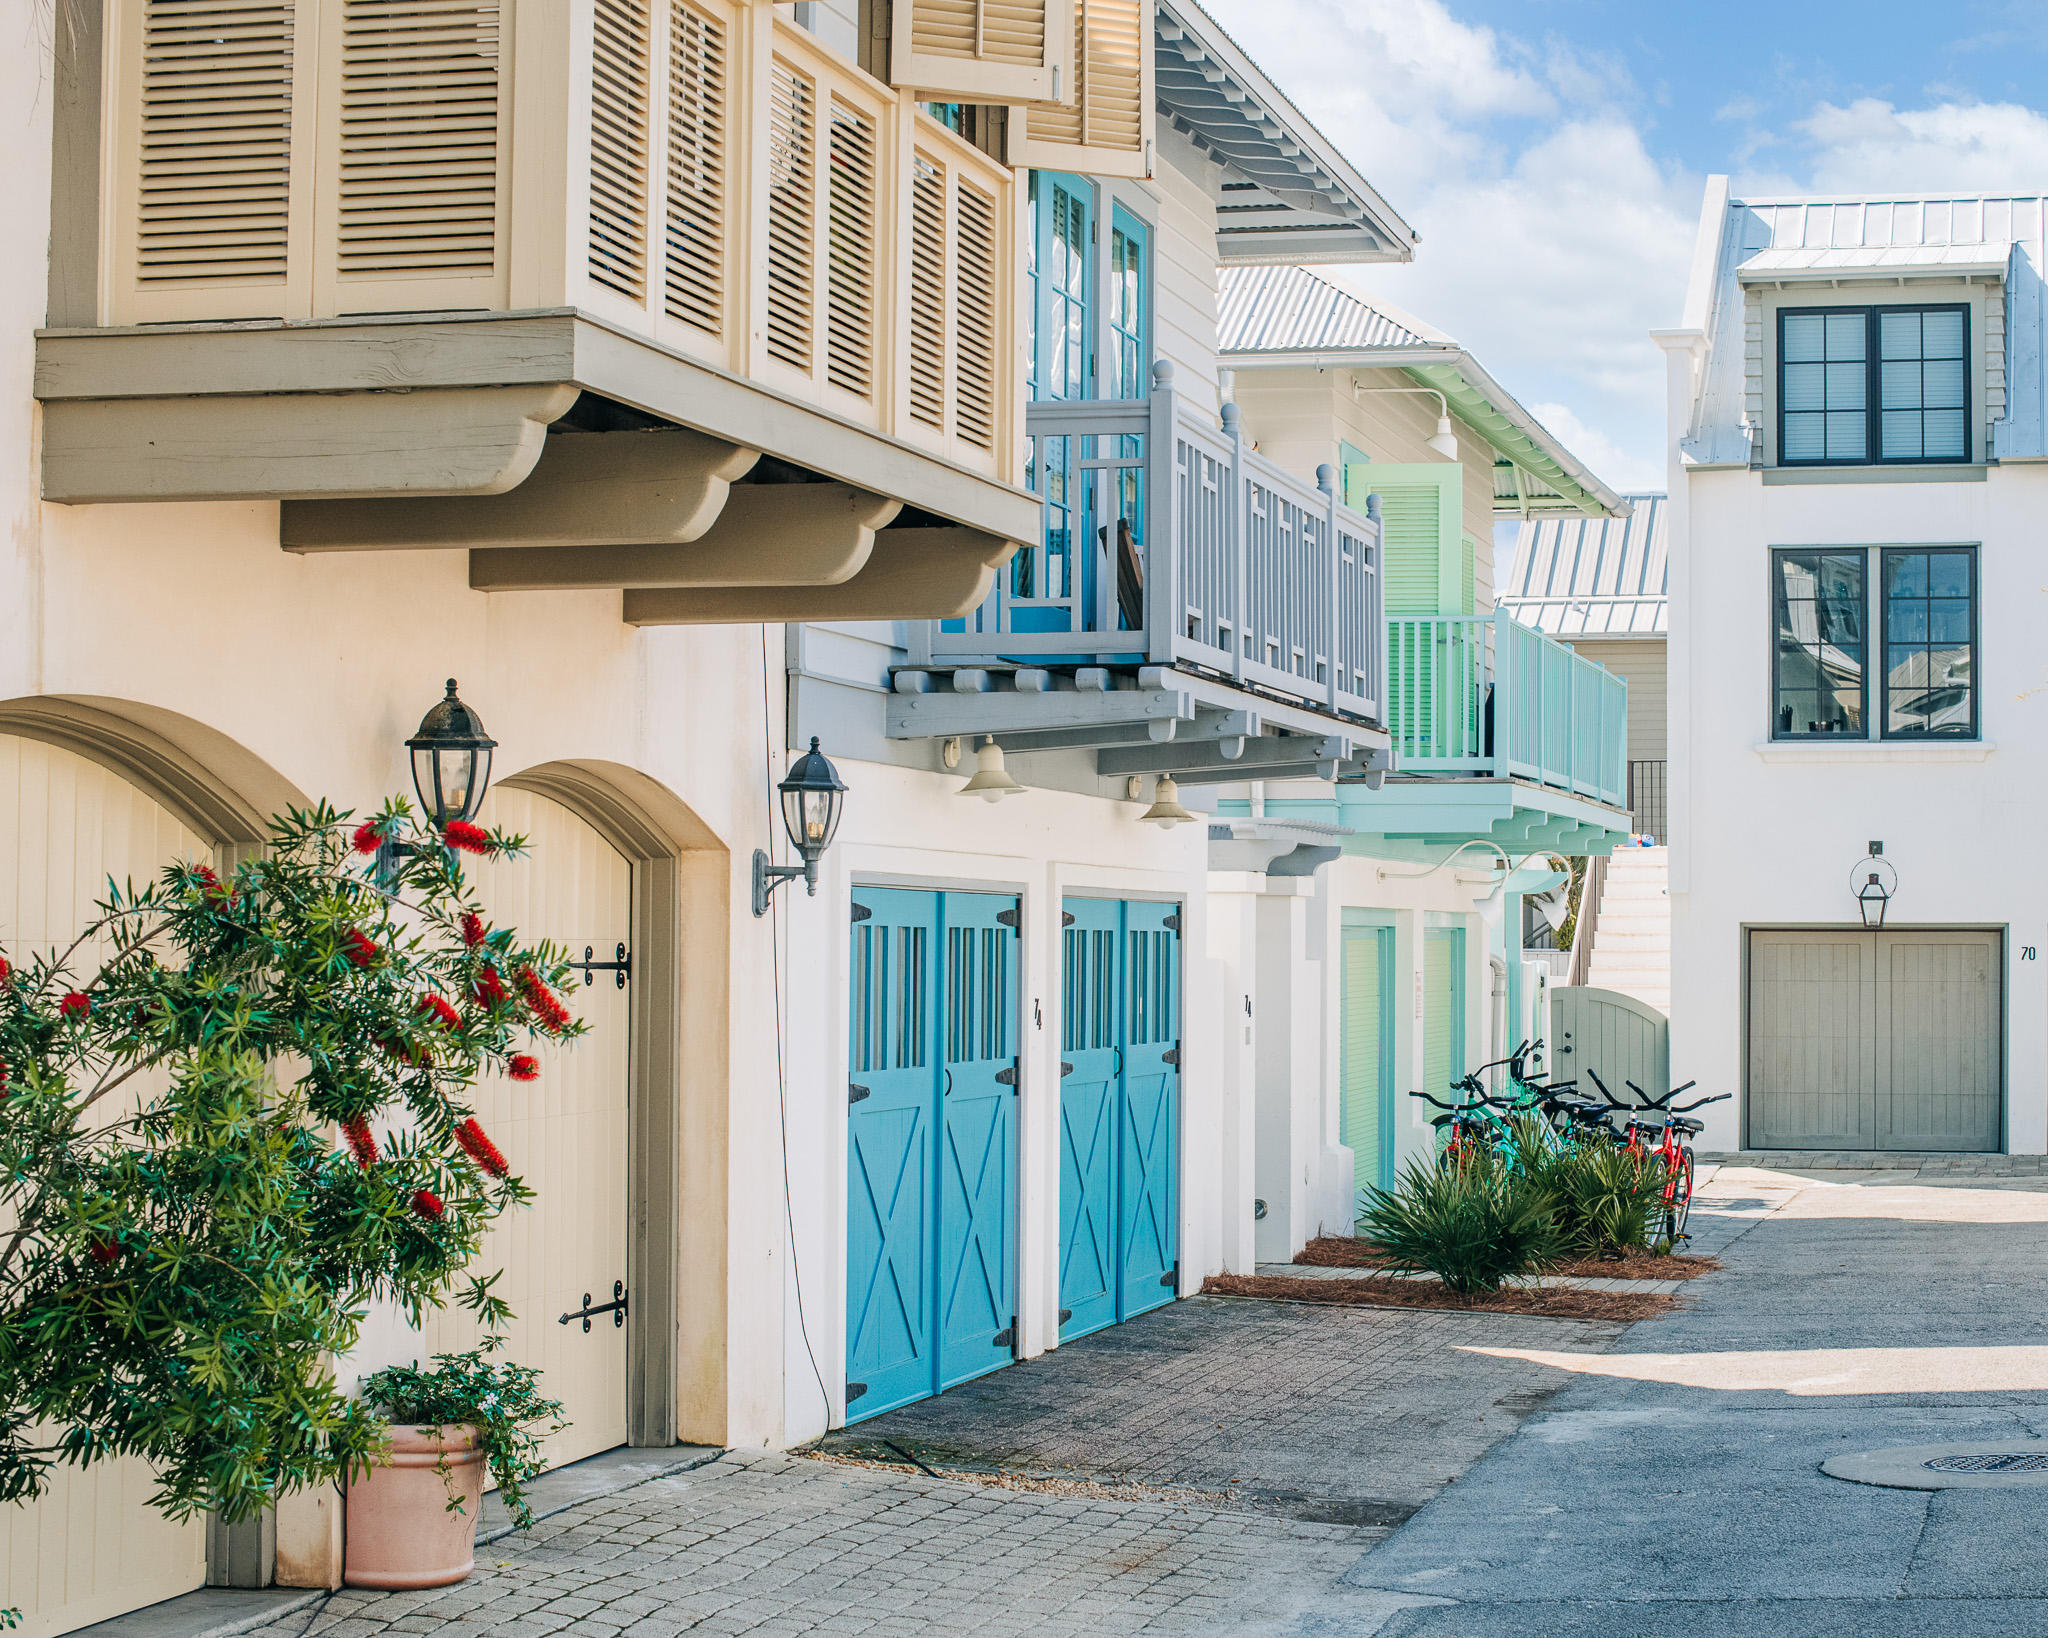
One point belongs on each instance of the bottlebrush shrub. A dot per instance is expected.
(187, 1239)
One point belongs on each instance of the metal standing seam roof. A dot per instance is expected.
(1282, 316)
(1288, 195)
(1593, 577)
(1884, 237)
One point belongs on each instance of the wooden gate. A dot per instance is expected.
(1612, 1035)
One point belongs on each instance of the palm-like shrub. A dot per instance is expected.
(1474, 1225)
(185, 1243)
(1604, 1200)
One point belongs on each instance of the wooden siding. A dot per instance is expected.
(1641, 661)
(1184, 280)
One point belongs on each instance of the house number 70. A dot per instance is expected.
(2027, 952)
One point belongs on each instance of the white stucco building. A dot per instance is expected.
(1857, 477)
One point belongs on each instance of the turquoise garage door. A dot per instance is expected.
(931, 1208)
(1119, 1111)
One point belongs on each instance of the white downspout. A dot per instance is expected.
(1497, 1047)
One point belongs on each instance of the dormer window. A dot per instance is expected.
(1863, 386)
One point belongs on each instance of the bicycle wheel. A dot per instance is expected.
(1678, 1199)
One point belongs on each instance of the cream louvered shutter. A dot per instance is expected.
(1106, 129)
(213, 159)
(982, 50)
(619, 121)
(411, 172)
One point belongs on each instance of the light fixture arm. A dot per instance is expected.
(768, 877)
(1417, 875)
(1443, 404)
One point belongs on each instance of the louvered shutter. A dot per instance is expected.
(956, 249)
(213, 159)
(699, 54)
(1421, 513)
(1106, 127)
(982, 50)
(415, 120)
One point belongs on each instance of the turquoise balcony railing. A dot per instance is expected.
(1483, 696)
(1169, 541)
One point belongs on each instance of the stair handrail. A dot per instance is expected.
(1591, 890)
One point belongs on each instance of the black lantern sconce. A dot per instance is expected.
(1873, 882)
(812, 795)
(451, 769)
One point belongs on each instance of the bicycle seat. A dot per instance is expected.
(1685, 1124)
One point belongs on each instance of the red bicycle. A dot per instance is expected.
(1664, 1141)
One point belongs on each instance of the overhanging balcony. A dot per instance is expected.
(1185, 592)
(364, 258)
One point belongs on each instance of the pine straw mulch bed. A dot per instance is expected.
(1336, 1251)
(1380, 1292)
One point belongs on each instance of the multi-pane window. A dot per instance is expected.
(1869, 385)
(1930, 641)
(1819, 599)
(1922, 608)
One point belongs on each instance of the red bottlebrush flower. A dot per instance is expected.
(546, 1007)
(460, 833)
(472, 928)
(523, 1068)
(480, 1148)
(74, 1005)
(362, 1142)
(369, 836)
(104, 1252)
(427, 1204)
(359, 947)
(406, 1052)
(6, 973)
(210, 885)
(440, 1011)
(490, 988)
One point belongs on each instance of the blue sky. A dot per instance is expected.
(1552, 154)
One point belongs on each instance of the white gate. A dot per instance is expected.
(1615, 1036)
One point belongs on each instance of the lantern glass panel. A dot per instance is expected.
(811, 817)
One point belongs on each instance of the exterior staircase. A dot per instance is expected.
(1632, 928)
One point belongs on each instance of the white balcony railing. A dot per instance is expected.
(1169, 541)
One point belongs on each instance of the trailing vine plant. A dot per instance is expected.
(232, 1117)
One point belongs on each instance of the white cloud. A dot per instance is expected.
(1978, 147)
(1623, 469)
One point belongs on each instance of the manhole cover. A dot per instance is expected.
(1942, 1467)
(1989, 1462)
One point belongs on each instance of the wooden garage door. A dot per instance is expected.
(1861, 1040)
(565, 1133)
(92, 1547)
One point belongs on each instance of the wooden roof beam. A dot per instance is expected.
(912, 574)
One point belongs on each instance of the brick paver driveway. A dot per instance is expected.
(1244, 1454)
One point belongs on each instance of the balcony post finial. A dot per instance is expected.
(1326, 478)
(1162, 373)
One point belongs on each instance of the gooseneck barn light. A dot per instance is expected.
(1166, 811)
(991, 781)
(813, 796)
(451, 761)
(1444, 441)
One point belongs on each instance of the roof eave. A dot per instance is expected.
(1557, 466)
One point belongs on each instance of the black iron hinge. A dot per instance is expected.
(854, 1093)
(1006, 1337)
(1172, 923)
(1066, 1070)
(1172, 1056)
(854, 1390)
(616, 1308)
(1171, 1276)
(1065, 1315)
(623, 966)
(1066, 918)
(1006, 1077)
(1009, 918)
(861, 913)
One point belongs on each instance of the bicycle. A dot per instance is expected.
(1675, 1156)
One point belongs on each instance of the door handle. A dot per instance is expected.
(948, 1087)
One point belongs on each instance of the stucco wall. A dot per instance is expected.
(1769, 834)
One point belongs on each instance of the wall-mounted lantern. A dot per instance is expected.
(1873, 882)
(813, 796)
(451, 761)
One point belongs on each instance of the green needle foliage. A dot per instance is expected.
(1475, 1225)
(185, 1243)
(1604, 1200)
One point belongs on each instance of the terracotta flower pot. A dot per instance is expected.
(401, 1532)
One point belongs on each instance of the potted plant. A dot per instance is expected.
(412, 1512)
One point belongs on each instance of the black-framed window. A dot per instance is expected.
(1920, 614)
(1873, 386)
(1818, 603)
(1930, 642)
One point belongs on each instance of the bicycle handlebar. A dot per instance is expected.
(1719, 1097)
(1426, 1098)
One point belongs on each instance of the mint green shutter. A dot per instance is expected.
(1443, 1008)
(1368, 996)
(1422, 507)
(1468, 590)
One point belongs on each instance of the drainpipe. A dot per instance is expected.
(1258, 798)
(1498, 1047)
